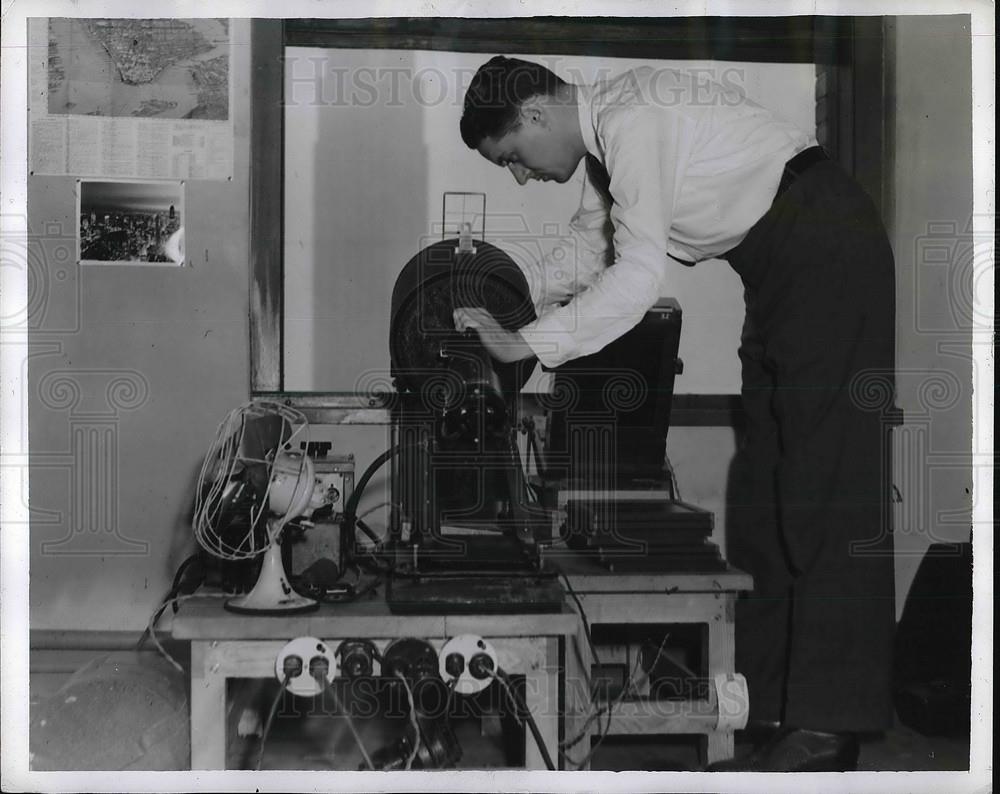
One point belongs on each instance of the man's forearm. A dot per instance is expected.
(511, 348)
(501, 344)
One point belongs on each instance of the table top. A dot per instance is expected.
(587, 575)
(205, 617)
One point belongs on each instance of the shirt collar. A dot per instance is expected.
(584, 106)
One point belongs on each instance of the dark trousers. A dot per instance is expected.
(808, 516)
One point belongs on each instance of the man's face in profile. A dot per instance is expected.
(533, 149)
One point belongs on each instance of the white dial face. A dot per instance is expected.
(298, 654)
(469, 661)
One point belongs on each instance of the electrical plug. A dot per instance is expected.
(481, 666)
(292, 666)
(319, 668)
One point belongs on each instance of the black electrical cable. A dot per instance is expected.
(583, 616)
(175, 587)
(270, 718)
(350, 515)
(174, 591)
(536, 492)
(521, 709)
(351, 507)
(156, 617)
(350, 593)
(368, 531)
(533, 449)
(673, 484)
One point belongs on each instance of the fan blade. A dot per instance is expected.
(257, 474)
(235, 513)
(262, 437)
(236, 497)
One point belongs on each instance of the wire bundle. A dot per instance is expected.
(607, 708)
(270, 717)
(331, 688)
(413, 720)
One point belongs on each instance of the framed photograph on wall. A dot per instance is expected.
(127, 222)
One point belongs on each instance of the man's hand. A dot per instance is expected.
(503, 345)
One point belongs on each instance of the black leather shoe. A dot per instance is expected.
(759, 732)
(798, 750)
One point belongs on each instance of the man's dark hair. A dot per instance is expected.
(496, 93)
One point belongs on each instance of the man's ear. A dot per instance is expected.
(534, 112)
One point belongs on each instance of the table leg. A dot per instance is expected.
(208, 709)
(721, 659)
(541, 689)
(720, 746)
(577, 698)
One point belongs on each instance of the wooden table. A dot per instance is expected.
(227, 645)
(656, 598)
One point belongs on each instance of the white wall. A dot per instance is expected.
(113, 471)
(933, 204)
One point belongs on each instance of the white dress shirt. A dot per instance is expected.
(693, 165)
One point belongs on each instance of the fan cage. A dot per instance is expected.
(224, 463)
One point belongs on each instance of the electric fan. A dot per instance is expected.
(251, 485)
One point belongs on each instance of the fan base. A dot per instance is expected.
(291, 607)
(272, 595)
